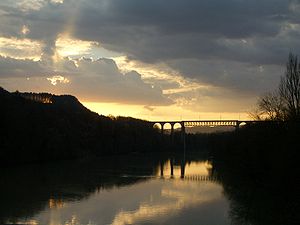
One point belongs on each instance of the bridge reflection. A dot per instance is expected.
(195, 171)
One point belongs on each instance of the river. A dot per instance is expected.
(134, 189)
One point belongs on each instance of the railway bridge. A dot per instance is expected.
(193, 123)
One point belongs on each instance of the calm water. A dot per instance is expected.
(124, 190)
(144, 189)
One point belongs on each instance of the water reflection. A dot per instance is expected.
(260, 195)
(124, 190)
(183, 169)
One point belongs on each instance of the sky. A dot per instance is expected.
(155, 60)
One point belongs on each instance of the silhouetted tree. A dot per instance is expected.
(272, 105)
(284, 103)
(289, 88)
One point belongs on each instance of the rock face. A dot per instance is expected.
(45, 127)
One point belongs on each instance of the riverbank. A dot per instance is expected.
(259, 169)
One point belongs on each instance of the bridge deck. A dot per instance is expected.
(188, 123)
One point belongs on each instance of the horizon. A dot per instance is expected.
(108, 111)
(150, 60)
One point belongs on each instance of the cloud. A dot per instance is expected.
(12, 68)
(235, 76)
(151, 109)
(156, 30)
(58, 79)
(20, 48)
(102, 80)
(90, 80)
(69, 47)
(236, 45)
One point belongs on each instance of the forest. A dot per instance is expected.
(39, 127)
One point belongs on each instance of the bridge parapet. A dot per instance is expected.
(233, 123)
(192, 123)
(211, 123)
(200, 178)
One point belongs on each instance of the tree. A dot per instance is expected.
(289, 88)
(284, 103)
(272, 106)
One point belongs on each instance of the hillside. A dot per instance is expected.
(45, 127)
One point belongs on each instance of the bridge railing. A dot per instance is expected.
(191, 123)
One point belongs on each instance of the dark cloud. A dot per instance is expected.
(204, 16)
(98, 80)
(237, 33)
(236, 76)
(151, 109)
(238, 44)
(101, 80)
(162, 30)
(12, 68)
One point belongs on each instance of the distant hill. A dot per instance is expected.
(45, 127)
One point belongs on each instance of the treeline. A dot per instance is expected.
(33, 131)
(259, 169)
(258, 165)
(275, 144)
(282, 104)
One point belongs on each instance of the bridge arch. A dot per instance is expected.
(167, 125)
(242, 123)
(177, 125)
(157, 125)
(170, 125)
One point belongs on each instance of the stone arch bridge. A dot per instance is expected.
(193, 123)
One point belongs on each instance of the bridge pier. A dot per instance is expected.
(183, 137)
(172, 167)
(161, 169)
(162, 128)
(182, 169)
(172, 132)
(237, 125)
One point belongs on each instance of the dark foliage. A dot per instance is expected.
(46, 127)
(258, 167)
(284, 103)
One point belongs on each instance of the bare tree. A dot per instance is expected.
(271, 105)
(284, 103)
(255, 114)
(289, 88)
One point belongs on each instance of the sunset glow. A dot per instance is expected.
(159, 113)
(119, 66)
